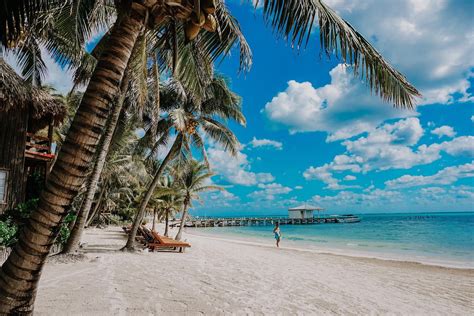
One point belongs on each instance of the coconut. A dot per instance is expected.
(191, 30)
(208, 6)
(211, 23)
(198, 20)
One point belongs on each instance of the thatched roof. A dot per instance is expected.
(15, 93)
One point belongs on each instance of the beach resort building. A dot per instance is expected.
(27, 118)
(304, 211)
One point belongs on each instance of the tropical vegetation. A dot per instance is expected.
(152, 71)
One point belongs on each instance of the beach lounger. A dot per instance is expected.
(161, 242)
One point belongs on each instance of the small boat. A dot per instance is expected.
(347, 218)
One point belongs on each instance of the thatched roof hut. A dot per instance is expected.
(24, 110)
(16, 94)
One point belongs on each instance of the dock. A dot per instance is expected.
(255, 221)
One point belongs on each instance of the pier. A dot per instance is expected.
(255, 221)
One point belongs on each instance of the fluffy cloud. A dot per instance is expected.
(350, 178)
(343, 108)
(298, 187)
(236, 169)
(438, 62)
(269, 191)
(444, 130)
(457, 198)
(324, 173)
(390, 146)
(266, 143)
(349, 198)
(445, 176)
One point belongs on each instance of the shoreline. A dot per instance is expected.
(218, 277)
(327, 251)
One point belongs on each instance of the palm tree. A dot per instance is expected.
(292, 19)
(192, 181)
(188, 118)
(166, 201)
(74, 240)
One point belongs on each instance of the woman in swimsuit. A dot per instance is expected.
(277, 233)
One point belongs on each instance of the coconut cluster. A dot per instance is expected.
(196, 14)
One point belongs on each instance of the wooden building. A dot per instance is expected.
(304, 211)
(27, 118)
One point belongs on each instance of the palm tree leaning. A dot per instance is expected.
(189, 120)
(292, 19)
(191, 182)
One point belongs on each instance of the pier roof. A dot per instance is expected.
(306, 207)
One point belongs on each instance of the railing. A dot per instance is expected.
(38, 147)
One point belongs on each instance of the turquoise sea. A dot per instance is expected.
(435, 238)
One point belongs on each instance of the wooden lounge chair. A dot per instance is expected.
(162, 242)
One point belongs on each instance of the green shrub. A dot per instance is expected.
(8, 232)
(24, 209)
(127, 213)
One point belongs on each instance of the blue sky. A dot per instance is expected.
(315, 133)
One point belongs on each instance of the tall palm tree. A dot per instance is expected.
(74, 240)
(192, 181)
(189, 120)
(292, 19)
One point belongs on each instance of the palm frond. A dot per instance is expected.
(16, 15)
(228, 35)
(295, 19)
(221, 134)
(33, 68)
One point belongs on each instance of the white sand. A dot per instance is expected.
(229, 277)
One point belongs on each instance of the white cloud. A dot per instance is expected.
(298, 187)
(341, 163)
(472, 118)
(350, 178)
(269, 191)
(445, 176)
(444, 130)
(457, 198)
(349, 198)
(459, 146)
(390, 146)
(236, 169)
(437, 62)
(343, 108)
(266, 143)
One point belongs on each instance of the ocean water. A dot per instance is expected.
(434, 238)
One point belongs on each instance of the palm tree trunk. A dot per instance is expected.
(183, 220)
(166, 223)
(154, 217)
(96, 207)
(74, 240)
(20, 274)
(141, 211)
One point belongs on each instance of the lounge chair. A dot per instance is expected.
(156, 241)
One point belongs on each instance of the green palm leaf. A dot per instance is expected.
(295, 19)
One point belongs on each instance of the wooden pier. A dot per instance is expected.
(255, 221)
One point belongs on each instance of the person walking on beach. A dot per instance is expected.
(277, 233)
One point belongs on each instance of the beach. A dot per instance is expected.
(221, 276)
